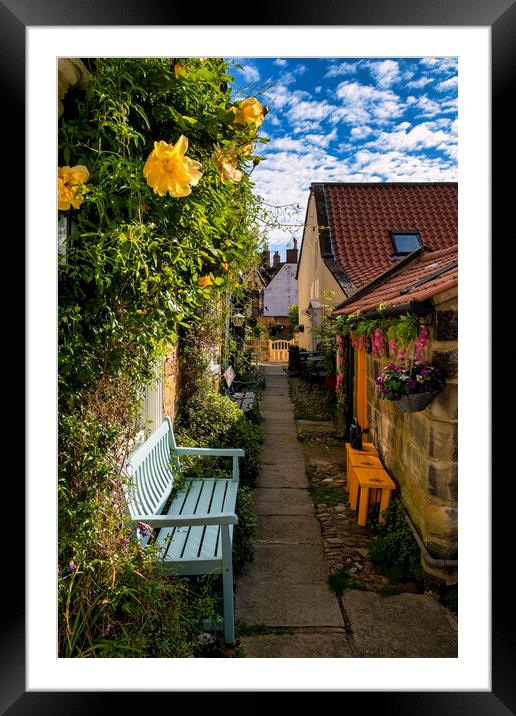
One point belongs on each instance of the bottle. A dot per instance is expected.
(355, 435)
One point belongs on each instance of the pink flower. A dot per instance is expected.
(421, 343)
(339, 381)
(392, 347)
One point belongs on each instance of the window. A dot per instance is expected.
(405, 242)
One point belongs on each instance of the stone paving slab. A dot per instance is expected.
(282, 501)
(297, 529)
(292, 646)
(285, 565)
(294, 605)
(406, 625)
(274, 476)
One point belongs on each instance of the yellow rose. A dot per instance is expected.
(249, 111)
(71, 186)
(248, 149)
(225, 159)
(168, 169)
(204, 281)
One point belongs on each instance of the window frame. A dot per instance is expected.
(394, 234)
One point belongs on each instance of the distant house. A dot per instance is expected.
(280, 290)
(354, 232)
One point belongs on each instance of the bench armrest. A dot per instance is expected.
(215, 518)
(222, 452)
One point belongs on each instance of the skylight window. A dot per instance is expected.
(405, 242)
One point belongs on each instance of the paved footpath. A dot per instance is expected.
(283, 595)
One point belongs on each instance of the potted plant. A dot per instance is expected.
(410, 388)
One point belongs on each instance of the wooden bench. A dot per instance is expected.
(193, 527)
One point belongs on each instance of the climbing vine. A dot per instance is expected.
(153, 184)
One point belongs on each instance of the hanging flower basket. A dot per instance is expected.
(414, 402)
(410, 388)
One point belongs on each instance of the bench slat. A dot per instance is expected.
(223, 500)
(193, 545)
(185, 502)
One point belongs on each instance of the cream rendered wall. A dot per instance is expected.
(315, 280)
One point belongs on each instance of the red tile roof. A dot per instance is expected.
(361, 215)
(435, 272)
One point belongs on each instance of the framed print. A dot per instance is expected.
(24, 26)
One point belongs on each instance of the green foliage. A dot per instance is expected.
(340, 580)
(327, 338)
(327, 495)
(293, 315)
(212, 420)
(386, 590)
(129, 282)
(244, 535)
(395, 552)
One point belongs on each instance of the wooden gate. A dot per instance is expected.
(278, 351)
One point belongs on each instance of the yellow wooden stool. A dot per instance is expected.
(359, 461)
(368, 449)
(372, 479)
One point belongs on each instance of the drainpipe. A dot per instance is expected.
(431, 561)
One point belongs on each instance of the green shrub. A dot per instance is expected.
(244, 535)
(340, 580)
(213, 420)
(395, 552)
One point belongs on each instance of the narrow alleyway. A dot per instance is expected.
(284, 607)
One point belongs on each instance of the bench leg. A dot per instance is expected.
(227, 584)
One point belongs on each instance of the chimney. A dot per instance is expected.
(292, 254)
(276, 259)
(266, 258)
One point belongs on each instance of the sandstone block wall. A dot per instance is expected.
(419, 450)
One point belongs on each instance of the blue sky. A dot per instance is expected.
(345, 119)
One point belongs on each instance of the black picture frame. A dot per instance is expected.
(500, 16)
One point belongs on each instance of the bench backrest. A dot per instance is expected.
(152, 468)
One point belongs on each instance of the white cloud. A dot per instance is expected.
(386, 73)
(344, 68)
(361, 132)
(363, 104)
(317, 89)
(421, 82)
(280, 62)
(451, 83)
(303, 127)
(280, 96)
(310, 110)
(427, 135)
(427, 106)
(440, 64)
(300, 69)
(397, 166)
(250, 73)
(321, 140)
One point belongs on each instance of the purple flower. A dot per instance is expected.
(106, 630)
(144, 528)
(411, 382)
(71, 567)
(123, 542)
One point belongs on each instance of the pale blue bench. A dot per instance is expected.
(196, 527)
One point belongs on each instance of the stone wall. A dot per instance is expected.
(419, 450)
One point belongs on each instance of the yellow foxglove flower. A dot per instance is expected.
(168, 169)
(71, 186)
(249, 111)
(204, 281)
(225, 159)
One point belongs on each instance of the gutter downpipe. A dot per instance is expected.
(431, 561)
